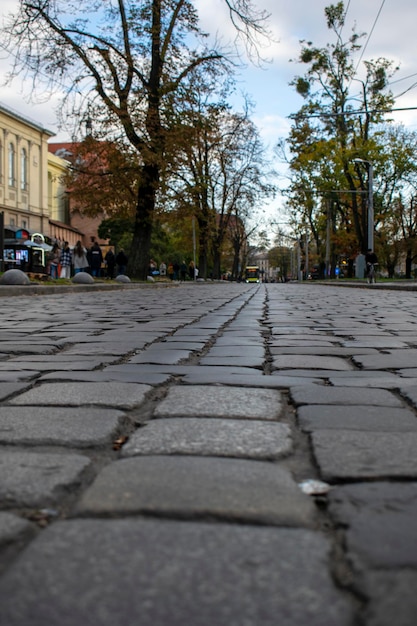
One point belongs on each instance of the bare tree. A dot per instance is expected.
(127, 59)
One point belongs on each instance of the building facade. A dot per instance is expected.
(33, 196)
(23, 173)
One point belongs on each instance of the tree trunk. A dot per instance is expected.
(139, 255)
(203, 242)
(408, 263)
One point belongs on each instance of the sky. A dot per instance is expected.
(390, 33)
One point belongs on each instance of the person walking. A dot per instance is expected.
(96, 256)
(371, 260)
(65, 261)
(121, 260)
(110, 260)
(79, 258)
(53, 261)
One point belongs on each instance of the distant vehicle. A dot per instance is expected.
(252, 274)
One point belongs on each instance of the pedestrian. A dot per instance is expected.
(79, 258)
(110, 263)
(183, 270)
(121, 260)
(162, 269)
(370, 260)
(176, 271)
(65, 261)
(170, 271)
(96, 259)
(191, 270)
(53, 261)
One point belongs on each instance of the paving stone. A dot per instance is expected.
(117, 348)
(409, 392)
(392, 597)
(226, 340)
(212, 437)
(178, 573)
(13, 528)
(161, 356)
(231, 489)
(121, 395)
(50, 364)
(256, 351)
(395, 359)
(59, 426)
(345, 454)
(12, 376)
(38, 479)
(124, 374)
(239, 361)
(407, 373)
(367, 378)
(365, 418)
(314, 394)
(307, 361)
(8, 389)
(214, 376)
(201, 401)
(320, 351)
(381, 532)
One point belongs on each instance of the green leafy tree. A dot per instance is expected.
(126, 59)
(338, 123)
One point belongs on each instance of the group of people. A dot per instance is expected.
(62, 261)
(180, 271)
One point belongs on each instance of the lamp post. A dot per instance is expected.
(370, 201)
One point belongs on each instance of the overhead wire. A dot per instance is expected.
(370, 35)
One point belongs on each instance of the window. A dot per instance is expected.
(12, 166)
(23, 169)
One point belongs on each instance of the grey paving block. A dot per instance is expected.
(390, 359)
(319, 350)
(380, 517)
(238, 361)
(256, 351)
(346, 501)
(120, 395)
(117, 348)
(33, 479)
(49, 364)
(345, 454)
(67, 426)
(314, 394)
(178, 573)
(232, 489)
(162, 356)
(126, 375)
(13, 376)
(13, 528)
(8, 389)
(251, 439)
(201, 401)
(366, 418)
(392, 597)
(366, 378)
(307, 361)
(215, 376)
(410, 392)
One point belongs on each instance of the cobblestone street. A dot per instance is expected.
(209, 454)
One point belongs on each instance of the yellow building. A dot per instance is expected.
(23, 173)
(33, 198)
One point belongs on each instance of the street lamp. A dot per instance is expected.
(370, 201)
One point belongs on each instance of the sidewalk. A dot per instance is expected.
(220, 454)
